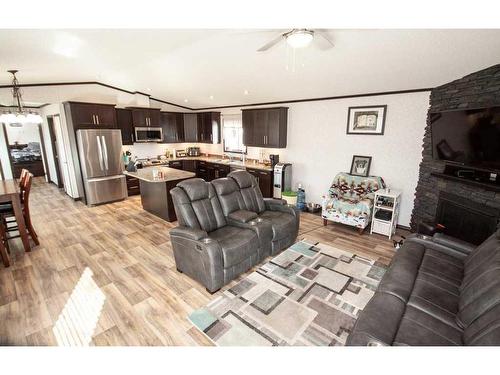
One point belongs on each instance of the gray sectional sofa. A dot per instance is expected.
(226, 227)
(437, 291)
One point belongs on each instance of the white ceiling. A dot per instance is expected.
(175, 65)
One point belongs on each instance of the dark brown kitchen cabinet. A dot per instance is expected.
(221, 170)
(145, 117)
(175, 164)
(90, 115)
(202, 170)
(190, 127)
(209, 127)
(124, 123)
(133, 185)
(265, 180)
(172, 124)
(189, 165)
(265, 127)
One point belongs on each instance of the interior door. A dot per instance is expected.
(91, 153)
(111, 143)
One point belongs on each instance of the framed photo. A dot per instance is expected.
(361, 165)
(366, 120)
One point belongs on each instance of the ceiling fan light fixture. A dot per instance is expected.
(299, 38)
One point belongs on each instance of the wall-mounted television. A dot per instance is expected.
(467, 137)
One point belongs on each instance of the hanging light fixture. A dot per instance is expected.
(18, 114)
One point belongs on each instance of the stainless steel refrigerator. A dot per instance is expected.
(100, 153)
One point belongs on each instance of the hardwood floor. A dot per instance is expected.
(107, 274)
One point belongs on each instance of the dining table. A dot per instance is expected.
(9, 193)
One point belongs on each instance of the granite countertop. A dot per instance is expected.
(219, 160)
(169, 174)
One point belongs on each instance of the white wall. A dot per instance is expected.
(318, 146)
(23, 134)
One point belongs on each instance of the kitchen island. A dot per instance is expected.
(155, 191)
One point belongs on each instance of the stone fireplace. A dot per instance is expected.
(476, 90)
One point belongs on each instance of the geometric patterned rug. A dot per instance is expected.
(310, 294)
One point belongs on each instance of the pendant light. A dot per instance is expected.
(18, 114)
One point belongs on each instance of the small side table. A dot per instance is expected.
(385, 211)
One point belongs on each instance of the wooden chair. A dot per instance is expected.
(25, 194)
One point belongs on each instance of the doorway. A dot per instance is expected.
(25, 148)
(55, 151)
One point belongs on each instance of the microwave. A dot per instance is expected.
(148, 134)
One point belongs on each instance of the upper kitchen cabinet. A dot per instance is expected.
(209, 127)
(265, 127)
(190, 127)
(124, 122)
(145, 117)
(172, 124)
(90, 115)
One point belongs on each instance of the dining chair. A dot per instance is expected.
(8, 215)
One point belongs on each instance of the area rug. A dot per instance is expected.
(310, 294)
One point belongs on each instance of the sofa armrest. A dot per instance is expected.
(454, 243)
(274, 202)
(292, 210)
(242, 216)
(189, 233)
(201, 258)
(378, 323)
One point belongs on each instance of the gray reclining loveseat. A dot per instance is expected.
(214, 244)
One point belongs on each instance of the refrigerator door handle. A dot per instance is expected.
(105, 149)
(99, 148)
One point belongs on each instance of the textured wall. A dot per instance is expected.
(477, 90)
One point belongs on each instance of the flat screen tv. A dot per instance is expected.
(467, 137)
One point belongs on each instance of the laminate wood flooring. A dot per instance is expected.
(106, 275)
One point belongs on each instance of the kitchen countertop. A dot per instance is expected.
(217, 160)
(169, 174)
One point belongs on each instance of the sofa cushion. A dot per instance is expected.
(420, 328)
(197, 206)
(485, 330)
(229, 195)
(435, 298)
(250, 191)
(480, 294)
(442, 266)
(283, 223)
(237, 244)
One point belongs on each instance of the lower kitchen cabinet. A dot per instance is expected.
(202, 170)
(265, 180)
(177, 164)
(133, 186)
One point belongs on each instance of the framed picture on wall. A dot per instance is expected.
(360, 165)
(366, 120)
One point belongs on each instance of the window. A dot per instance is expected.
(233, 134)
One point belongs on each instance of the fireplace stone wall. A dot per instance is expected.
(477, 90)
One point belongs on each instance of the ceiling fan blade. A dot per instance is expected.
(270, 44)
(324, 40)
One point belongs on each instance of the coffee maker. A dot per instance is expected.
(274, 159)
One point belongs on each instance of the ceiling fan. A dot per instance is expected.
(299, 38)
